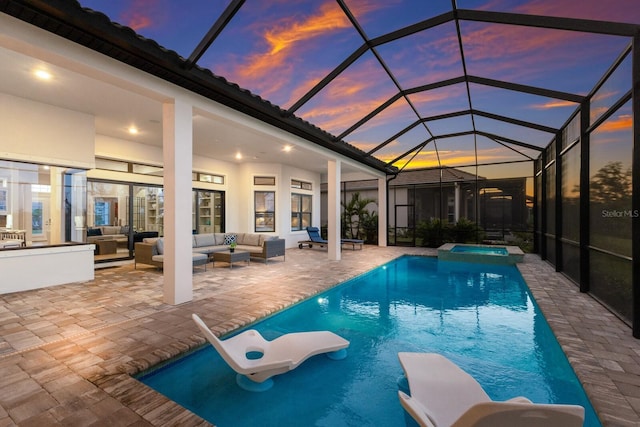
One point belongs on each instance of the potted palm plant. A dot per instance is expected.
(232, 247)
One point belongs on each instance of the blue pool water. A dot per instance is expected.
(481, 250)
(480, 316)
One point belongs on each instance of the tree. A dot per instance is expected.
(610, 184)
(353, 214)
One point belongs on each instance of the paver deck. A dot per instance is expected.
(67, 352)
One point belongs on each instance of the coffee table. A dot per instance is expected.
(104, 247)
(231, 257)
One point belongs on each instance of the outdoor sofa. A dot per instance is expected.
(108, 232)
(151, 250)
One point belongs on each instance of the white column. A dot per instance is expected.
(333, 209)
(456, 202)
(382, 211)
(177, 145)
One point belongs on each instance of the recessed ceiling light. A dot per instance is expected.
(133, 130)
(287, 148)
(43, 74)
(238, 156)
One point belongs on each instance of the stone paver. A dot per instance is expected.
(67, 352)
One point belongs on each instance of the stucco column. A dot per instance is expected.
(382, 211)
(456, 202)
(177, 145)
(333, 209)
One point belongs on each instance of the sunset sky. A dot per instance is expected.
(280, 49)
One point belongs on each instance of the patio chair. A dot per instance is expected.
(315, 237)
(442, 394)
(257, 359)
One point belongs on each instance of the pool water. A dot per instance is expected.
(480, 316)
(482, 250)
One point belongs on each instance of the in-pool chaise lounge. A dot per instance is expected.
(315, 237)
(278, 356)
(442, 394)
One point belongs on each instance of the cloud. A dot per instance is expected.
(349, 98)
(272, 68)
(623, 122)
(282, 37)
(610, 10)
(516, 53)
(553, 104)
(142, 14)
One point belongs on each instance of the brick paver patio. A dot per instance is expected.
(67, 352)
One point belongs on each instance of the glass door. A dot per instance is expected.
(208, 212)
(108, 220)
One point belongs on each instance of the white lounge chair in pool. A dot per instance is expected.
(275, 357)
(442, 394)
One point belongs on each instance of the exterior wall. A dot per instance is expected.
(40, 133)
(238, 185)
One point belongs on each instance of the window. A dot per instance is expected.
(112, 165)
(146, 169)
(265, 211)
(102, 212)
(206, 177)
(264, 180)
(150, 170)
(29, 195)
(300, 185)
(300, 211)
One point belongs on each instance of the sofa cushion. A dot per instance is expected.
(228, 239)
(207, 239)
(251, 239)
(219, 238)
(160, 245)
(199, 257)
(110, 229)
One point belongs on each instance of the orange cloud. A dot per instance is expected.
(453, 157)
(281, 41)
(329, 18)
(348, 98)
(621, 123)
(553, 104)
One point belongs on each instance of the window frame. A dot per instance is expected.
(266, 216)
(299, 214)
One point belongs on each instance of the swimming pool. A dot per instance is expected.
(480, 316)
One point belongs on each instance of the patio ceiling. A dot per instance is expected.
(393, 84)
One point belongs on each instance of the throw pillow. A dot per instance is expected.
(94, 232)
(160, 245)
(229, 238)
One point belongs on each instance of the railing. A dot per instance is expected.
(13, 238)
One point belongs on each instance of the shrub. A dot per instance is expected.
(464, 231)
(431, 232)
